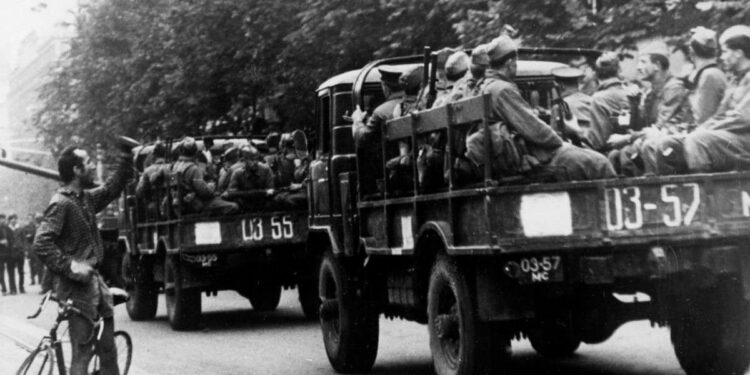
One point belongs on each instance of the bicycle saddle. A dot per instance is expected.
(119, 296)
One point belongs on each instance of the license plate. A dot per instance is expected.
(668, 205)
(543, 269)
(274, 227)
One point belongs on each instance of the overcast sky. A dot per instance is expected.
(20, 17)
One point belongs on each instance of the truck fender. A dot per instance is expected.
(124, 242)
(321, 234)
(441, 229)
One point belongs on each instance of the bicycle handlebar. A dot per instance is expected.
(65, 305)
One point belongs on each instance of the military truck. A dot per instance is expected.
(187, 254)
(484, 262)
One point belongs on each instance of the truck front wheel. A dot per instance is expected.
(710, 329)
(183, 304)
(459, 342)
(350, 328)
(139, 282)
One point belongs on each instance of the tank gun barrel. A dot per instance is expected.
(32, 169)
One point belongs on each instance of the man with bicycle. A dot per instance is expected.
(68, 243)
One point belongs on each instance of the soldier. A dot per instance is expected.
(253, 175)
(154, 177)
(480, 61)
(579, 103)
(608, 104)
(456, 68)
(399, 168)
(282, 163)
(587, 84)
(272, 142)
(6, 256)
(722, 143)
(198, 195)
(509, 107)
(665, 111)
(367, 137)
(708, 83)
(230, 163)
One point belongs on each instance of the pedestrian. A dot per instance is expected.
(20, 247)
(35, 266)
(69, 244)
(6, 257)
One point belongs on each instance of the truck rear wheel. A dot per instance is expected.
(554, 338)
(265, 295)
(139, 283)
(459, 342)
(183, 304)
(350, 327)
(710, 330)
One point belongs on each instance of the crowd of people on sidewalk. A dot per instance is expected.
(15, 251)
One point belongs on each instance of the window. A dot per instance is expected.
(324, 116)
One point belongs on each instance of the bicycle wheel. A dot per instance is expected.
(40, 362)
(124, 345)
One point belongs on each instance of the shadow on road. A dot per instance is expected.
(247, 319)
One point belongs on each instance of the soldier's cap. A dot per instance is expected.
(249, 152)
(734, 31)
(566, 73)
(502, 49)
(608, 60)
(231, 153)
(411, 80)
(442, 56)
(457, 64)
(272, 140)
(479, 56)
(188, 147)
(389, 75)
(704, 37)
(38, 216)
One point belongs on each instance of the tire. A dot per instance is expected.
(350, 328)
(265, 295)
(710, 330)
(459, 342)
(124, 345)
(139, 283)
(40, 362)
(554, 339)
(307, 288)
(183, 304)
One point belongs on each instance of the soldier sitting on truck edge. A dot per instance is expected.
(367, 137)
(198, 196)
(456, 68)
(287, 175)
(153, 178)
(510, 109)
(253, 176)
(230, 163)
(722, 143)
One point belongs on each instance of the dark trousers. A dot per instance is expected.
(18, 266)
(36, 270)
(7, 265)
(82, 338)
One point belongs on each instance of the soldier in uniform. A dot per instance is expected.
(456, 68)
(579, 103)
(198, 195)
(400, 168)
(153, 177)
(587, 84)
(708, 84)
(230, 163)
(723, 142)
(544, 145)
(665, 111)
(609, 103)
(272, 142)
(367, 136)
(253, 175)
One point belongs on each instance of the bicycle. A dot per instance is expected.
(49, 354)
